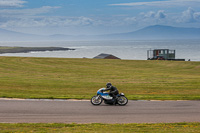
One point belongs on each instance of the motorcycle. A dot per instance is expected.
(104, 96)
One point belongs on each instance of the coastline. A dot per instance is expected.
(6, 49)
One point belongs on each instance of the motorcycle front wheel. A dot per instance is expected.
(96, 100)
(122, 100)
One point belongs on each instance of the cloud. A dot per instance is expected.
(24, 17)
(189, 16)
(48, 21)
(160, 14)
(130, 20)
(33, 18)
(148, 18)
(11, 3)
(197, 16)
(161, 3)
(34, 11)
(36, 18)
(155, 15)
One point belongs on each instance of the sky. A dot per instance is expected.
(94, 17)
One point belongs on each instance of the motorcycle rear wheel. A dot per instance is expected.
(96, 100)
(122, 100)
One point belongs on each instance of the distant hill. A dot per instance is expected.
(6, 35)
(150, 32)
(166, 32)
(159, 32)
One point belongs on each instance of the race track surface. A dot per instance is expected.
(55, 111)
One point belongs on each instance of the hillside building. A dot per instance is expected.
(105, 56)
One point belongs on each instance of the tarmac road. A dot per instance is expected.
(58, 111)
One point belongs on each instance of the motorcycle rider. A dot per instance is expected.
(113, 91)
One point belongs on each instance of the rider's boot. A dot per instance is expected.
(115, 101)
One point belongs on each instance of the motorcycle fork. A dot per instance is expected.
(97, 97)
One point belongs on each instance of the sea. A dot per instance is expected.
(124, 49)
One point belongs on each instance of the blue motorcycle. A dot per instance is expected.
(104, 96)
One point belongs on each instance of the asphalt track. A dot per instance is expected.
(56, 111)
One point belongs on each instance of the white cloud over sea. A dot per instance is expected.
(34, 18)
(189, 16)
(12, 3)
(166, 3)
(46, 21)
(28, 12)
(117, 17)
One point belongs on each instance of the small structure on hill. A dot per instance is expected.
(162, 54)
(105, 56)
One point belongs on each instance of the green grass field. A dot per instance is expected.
(22, 77)
(101, 128)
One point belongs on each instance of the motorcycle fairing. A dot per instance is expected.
(104, 95)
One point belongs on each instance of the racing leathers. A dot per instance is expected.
(113, 91)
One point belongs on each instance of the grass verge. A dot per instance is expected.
(25, 77)
(100, 128)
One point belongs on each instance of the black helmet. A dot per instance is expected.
(108, 85)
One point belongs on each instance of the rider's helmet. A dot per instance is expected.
(108, 85)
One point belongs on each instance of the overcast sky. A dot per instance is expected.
(95, 16)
